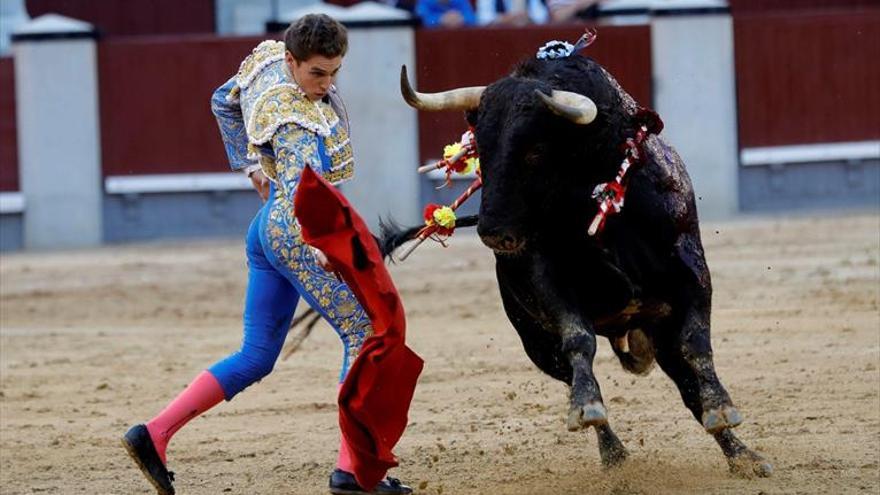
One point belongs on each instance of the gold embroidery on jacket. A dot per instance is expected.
(260, 58)
(283, 128)
(333, 296)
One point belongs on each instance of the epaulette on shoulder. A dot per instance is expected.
(261, 57)
(286, 104)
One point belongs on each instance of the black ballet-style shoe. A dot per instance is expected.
(344, 483)
(139, 445)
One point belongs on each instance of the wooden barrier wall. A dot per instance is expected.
(155, 102)
(808, 77)
(133, 17)
(738, 7)
(801, 78)
(448, 59)
(155, 116)
(8, 143)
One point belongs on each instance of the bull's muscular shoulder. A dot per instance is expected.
(668, 202)
(664, 170)
(660, 196)
(669, 177)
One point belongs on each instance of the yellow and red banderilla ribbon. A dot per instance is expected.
(610, 195)
(460, 158)
(440, 220)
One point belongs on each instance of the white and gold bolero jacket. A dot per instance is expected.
(265, 118)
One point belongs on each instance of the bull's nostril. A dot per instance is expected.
(493, 242)
(506, 244)
(500, 241)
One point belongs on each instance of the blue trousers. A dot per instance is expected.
(273, 291)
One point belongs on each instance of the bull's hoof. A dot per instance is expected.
(749, 464)
(591, 414)
(715, 420)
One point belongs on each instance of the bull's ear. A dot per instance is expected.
(573, 106)
(472, 116)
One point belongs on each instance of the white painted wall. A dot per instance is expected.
(249, 17)
(58, 142)
(694, 93)
(384, 129)
(12, 14)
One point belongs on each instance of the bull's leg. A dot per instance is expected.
(684, 352)
(543, 317)
(610, 448)
(544, 345)
(587, 409)
(544, 348)
(579, 347)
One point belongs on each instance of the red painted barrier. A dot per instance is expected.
(801, 78)
(133, 17)
(447, 59)
(808, 77)
(8, 143)
(738, 7)
(155, 102)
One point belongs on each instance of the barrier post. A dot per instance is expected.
(56, 89)
(694, 93)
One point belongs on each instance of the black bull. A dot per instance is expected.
(642, 282)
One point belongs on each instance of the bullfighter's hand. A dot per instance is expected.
(261, 184)
(322, 260)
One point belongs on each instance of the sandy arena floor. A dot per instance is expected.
(96, 340)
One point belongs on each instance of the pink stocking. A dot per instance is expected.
(202, 394)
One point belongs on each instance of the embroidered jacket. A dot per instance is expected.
(265, 118)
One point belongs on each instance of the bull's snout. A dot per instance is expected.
(501, 241)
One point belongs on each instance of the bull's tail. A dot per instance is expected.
(392, 235)
(635, 351)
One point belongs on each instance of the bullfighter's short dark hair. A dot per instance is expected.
(316, 34)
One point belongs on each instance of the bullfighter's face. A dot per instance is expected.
(314, 75)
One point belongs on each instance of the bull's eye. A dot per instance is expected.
(534, 156)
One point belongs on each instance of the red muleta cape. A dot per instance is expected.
(375, 397)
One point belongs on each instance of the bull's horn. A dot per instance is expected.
(454, 99)
(575, 107)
